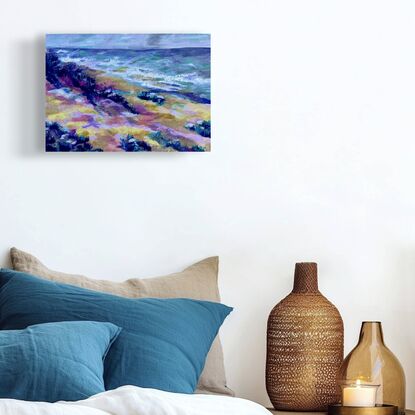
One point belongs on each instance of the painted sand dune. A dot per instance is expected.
(128, 93)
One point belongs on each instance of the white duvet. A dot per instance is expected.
(131, 400)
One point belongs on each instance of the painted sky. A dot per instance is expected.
(127, 41)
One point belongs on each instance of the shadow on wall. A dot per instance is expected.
(5, 260)
(28, 77)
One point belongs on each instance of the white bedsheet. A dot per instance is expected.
(131, 400)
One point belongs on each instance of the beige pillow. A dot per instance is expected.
(199, 281)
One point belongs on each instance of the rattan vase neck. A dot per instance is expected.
(305, 278)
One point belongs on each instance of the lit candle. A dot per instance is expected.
(359, 395)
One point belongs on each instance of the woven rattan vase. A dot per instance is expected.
(304, 347)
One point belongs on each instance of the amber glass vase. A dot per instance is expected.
(304, 347)
(372, 363)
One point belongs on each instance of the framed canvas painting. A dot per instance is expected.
(127, 92)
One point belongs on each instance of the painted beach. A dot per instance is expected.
(128, 93)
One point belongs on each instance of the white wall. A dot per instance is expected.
(313, 159)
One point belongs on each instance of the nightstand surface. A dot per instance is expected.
(273, 411)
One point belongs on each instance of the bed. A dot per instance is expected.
(131, 400)
(70, 344)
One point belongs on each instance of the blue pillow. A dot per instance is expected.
(163, 344)
(55, 361)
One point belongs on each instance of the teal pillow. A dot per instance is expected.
(55, 361)
(163, 344)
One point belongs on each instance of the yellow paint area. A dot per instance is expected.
(75, 125)
(122, 130)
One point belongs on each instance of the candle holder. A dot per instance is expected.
(358, 394)
(371, 378)
(360, 399)
(353, 410)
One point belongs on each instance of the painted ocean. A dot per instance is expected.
(128, 93)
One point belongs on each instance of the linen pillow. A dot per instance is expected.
(199, 282)
(55, 361)
(163, 344)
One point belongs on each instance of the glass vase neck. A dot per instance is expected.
(371, 332)
(305, 278)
